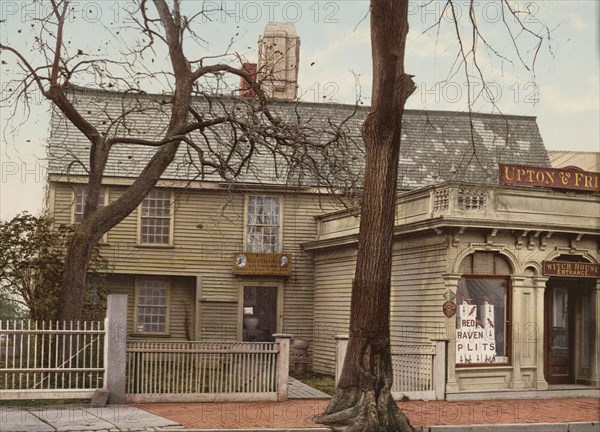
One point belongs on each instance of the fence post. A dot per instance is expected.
(115, 348)
(439, 368)
(283, 365)
(341, 345)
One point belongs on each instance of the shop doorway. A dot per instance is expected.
(568, 331)
(259, 313)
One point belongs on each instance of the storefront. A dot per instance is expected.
(568, 320)
(509, 275)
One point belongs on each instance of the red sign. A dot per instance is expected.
(559, 178)
(571, 269)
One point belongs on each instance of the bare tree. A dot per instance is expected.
(363, 400)
(220, 135)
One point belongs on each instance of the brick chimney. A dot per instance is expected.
(245, 89)
(278, 59)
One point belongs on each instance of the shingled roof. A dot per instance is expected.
(436, 145)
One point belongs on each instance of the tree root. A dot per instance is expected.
(356, 410)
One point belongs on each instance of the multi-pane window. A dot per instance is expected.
(152, 305)
(482, 315)
(263, 224)
(155, 226)
(80, 198)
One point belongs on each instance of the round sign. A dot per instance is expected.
(449, 308)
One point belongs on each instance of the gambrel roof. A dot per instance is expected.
(436, 145)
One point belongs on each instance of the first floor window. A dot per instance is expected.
(155, 223)
(152, 304)
(263, 224)
(482, 310)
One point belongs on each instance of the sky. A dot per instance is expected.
(562, 91)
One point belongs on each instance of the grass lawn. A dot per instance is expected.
(323, 382)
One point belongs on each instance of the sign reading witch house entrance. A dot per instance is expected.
(574, 179)
(571, 269)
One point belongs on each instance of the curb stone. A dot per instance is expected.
(520, 427)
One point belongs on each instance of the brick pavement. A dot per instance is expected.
(299, 413)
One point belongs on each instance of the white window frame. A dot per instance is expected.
(141, 218)
(247, 225)
(139, 282)
(81, 191)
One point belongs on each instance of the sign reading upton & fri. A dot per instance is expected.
(556, 178)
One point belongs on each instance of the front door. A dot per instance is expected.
(560, 326)
(259, 313)
(569, 330)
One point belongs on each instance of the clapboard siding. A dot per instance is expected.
(418, 263)
(416, 296)
(219, 321)
(208, 230)
(334, 271)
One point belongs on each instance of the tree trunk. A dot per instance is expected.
(363, 400)
(74, 277)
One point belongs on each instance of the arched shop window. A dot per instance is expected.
(483, 304)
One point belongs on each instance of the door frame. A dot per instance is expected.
(279, 306)
(552, 284)
(576, 288)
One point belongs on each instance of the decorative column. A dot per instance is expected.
(451, 285)
(516, 379)
(539, 380)
(595, 375)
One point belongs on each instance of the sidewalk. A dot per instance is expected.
(516, 415)
(81, 418)
(543, 415)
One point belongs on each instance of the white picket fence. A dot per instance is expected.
(203, 371)
(51, 359)
(419, 369)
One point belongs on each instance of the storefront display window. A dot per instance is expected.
(482, 307)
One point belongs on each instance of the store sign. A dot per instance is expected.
(262, 264)
(574, 179)
(475, 334)
(571, 269)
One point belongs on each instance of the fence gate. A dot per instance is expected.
(51, 360)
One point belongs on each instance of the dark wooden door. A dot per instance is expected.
(559, 331)
(260, 313)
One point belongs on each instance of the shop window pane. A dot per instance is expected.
(481, 321)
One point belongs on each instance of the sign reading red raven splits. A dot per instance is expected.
(571, 269)
(557, 178)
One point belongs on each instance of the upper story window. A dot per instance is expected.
(81, 197)
(263, 224)
(155, 218)
(152, 305)
(482, 298)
